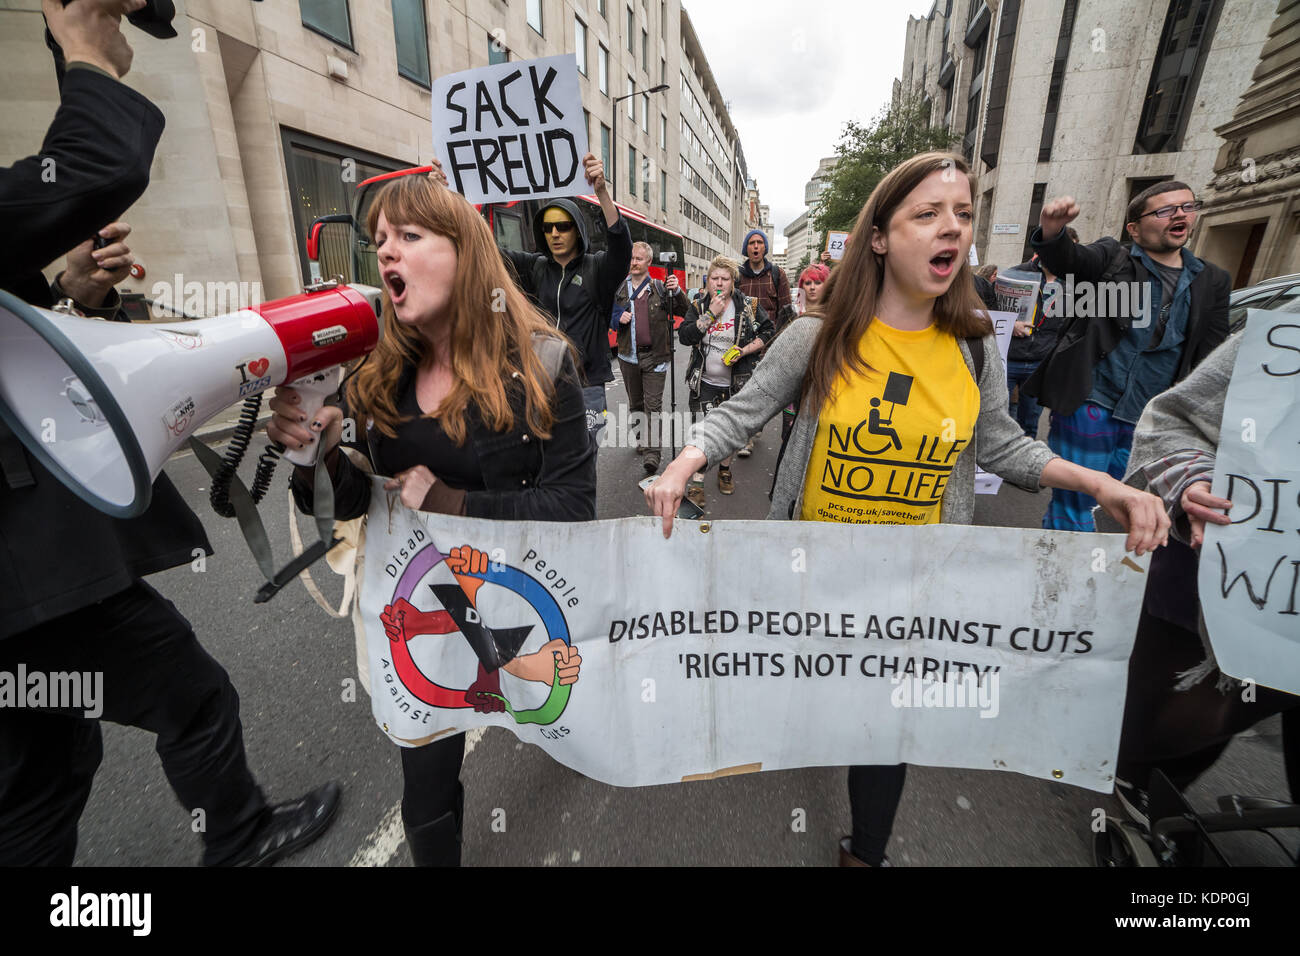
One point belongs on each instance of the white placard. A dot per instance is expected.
(1249, 578)
(512, 130)
(1003, 325)
(754, 645)
(835, 243)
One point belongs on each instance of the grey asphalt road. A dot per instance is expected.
(291, 664)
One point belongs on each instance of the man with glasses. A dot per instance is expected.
(1154, 313)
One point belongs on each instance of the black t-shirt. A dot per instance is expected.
(422, 441)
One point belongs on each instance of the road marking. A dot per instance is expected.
(382, 844)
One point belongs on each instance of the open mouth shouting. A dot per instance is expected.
(943, 263)
(1178, 231)
(396, 286)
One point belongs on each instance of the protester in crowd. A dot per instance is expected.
(769, 287)
(989, 273)
(1032, 341)
(1181, 711)
(643, 317)
(726, 339)
(811, 281)
(82, 606)
(577, 284)
(1105, 368)
(474, 411)
(899, 314)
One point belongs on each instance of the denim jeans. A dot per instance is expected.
(1026, 411)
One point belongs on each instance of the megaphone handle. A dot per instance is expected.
(312, 393)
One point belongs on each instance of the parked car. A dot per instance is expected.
(1274, 294)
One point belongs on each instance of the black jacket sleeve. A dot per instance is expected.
(565, 488)
(1062, 256)
(93, 164)
(522, 264)
(615, 260)
(763, 325)
(689, 331)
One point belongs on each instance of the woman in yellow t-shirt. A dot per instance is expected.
(895, 408)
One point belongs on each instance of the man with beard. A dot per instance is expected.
(1106, 367)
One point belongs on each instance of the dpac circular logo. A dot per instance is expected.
(511, 650)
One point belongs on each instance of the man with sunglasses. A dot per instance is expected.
(1172, 312)
(575, 285)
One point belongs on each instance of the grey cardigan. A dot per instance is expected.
(998, 445)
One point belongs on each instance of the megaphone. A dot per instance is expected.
(102, 405)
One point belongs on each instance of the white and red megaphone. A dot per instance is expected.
(102, 405)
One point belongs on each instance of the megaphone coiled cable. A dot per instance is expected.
(219, 496)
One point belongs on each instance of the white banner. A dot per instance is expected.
(512, 130)
(1249, 578)
(753, 645)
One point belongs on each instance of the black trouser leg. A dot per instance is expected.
(433, 801)
(874, 793)
(157, 677)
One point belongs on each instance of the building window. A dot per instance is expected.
(1035, 207)
(631, 100)
(328, 18)
(412, 40)
(975, 98)
(631, 31)
(663, 191)
(600, 8)
(645, 51)
(645, 180)
(645, 112)
(631, 171)
(1057, 81)
(535, 16)
(602, 68)
(663, 17)
(580, 44)
(1000, 78)
(663, 70)
(663, 131)
(314, 167)
(604, 146)
(1176, 74)
(498, 52)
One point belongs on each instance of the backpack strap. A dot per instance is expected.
(976, 345)
(550, 351)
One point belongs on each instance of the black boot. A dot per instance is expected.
(437, 843)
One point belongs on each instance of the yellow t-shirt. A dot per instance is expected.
(887, 441)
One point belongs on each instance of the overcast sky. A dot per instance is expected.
(793, 79)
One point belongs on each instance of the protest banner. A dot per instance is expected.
(1017, 292)
(753, 645)
(512, 130)
(835, 242)
(1249, 577)
(1003, 325)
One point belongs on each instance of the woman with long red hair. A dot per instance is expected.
(472, 403)
(898, 349)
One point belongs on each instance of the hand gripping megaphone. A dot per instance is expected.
(102, 405)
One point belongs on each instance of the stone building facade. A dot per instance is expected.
(276, 110)
(1096, 99)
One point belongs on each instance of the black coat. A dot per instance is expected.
(1063, 381)
(525, 478)
(580, 313)
(1036, 347)
(57, 553)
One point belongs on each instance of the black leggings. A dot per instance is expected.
(874, 793)
(431, 779)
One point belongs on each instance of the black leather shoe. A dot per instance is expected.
(291, 826)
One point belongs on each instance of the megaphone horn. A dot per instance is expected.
(102, 405)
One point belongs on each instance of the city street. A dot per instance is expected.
(292, 664)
